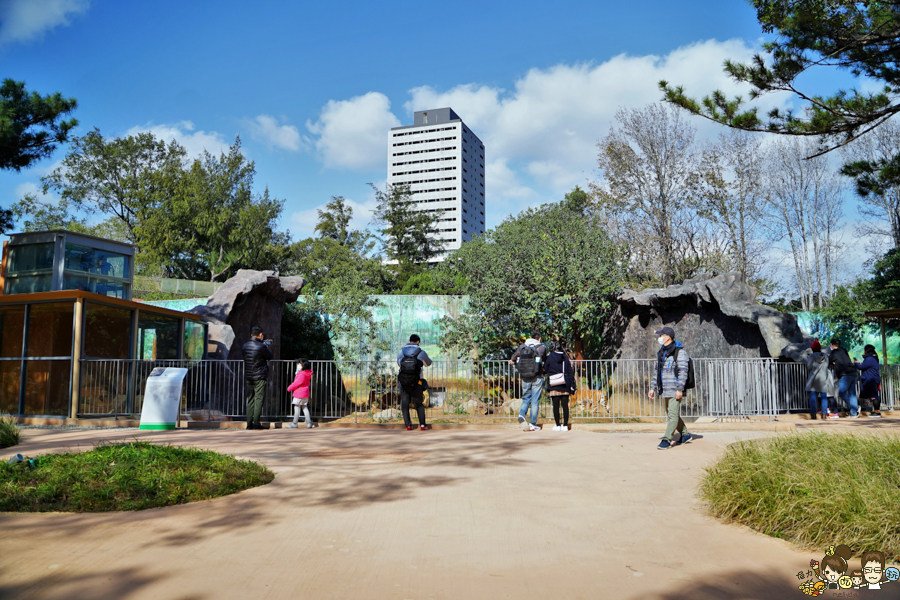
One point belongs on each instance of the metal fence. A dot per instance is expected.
(462, 391)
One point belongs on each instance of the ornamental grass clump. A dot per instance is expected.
(814, 489)
(10, 435)
(125, 476)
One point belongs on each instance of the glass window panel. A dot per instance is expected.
(12, 321)
(99, 262)
(9, 386)
(30, 258)
(107, 331)
(194, 340)
(50, 329)
(47, 387)
(157, 336)
(29, 284)
(104, 287)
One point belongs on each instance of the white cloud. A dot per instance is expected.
(540, 136)
(265, 129)
(302, 223)
(195, 142)
(505, 180)
(22, 20)
(553, 118)
(353, 134)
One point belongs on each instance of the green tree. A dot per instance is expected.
(212, 223)
(553, 269)
(862, 37)
(884, 286)
(42, 216)
(345, 313)
(35, 215)
(407, 232)
(334, 223)
(126, 178)
(320, 260)
(31, 125)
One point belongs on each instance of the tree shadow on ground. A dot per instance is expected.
(345, 470)
(743, 584)
(108, 583)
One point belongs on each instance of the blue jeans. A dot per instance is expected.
(814, 397)
(531, 394)
(847, 392)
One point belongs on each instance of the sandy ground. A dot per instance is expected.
(412, 515)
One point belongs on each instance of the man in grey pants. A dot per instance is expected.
(670, 375)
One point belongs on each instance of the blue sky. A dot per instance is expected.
(312, 89)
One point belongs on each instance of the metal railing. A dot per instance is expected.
(462, 391)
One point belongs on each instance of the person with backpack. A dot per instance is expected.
(412, 386)
(846, 372)
(529, 358)
(561, 377)
(672, 375)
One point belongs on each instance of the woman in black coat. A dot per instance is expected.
(870, 378)
(561, 388)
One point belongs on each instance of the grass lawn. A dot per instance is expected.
(815, 489)
(129, 476)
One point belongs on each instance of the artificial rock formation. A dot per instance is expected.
(250, 298)
(714, 317)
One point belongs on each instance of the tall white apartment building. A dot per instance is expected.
(442, 162)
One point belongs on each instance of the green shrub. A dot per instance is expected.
(128, 476)
(813, 489)
(10, 435)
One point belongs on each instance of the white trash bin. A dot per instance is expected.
(162, 397)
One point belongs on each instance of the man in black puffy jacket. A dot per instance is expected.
(256, 369)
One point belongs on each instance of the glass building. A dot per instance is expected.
(48, 261)
(72, 343)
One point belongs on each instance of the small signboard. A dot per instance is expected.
(162, 398)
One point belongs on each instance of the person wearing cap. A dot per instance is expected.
(256, 355)
(818, 380)
(670, 375)
(415, 394)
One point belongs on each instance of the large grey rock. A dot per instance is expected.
(714, 317)
(250, 298)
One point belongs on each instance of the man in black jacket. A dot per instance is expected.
(844, 369)
(256, 369)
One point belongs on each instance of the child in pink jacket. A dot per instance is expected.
(300, 389)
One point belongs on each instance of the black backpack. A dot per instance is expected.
(527, 364)
(410, 370)
(689, 384)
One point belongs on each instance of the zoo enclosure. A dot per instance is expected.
(608, 390)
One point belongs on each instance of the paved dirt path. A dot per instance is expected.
(411, 515)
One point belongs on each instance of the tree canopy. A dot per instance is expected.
(861, 37)
(197, 220)
(31, 125)
(126, 178)
(553, 269)
(407, 234)
(212, 223)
